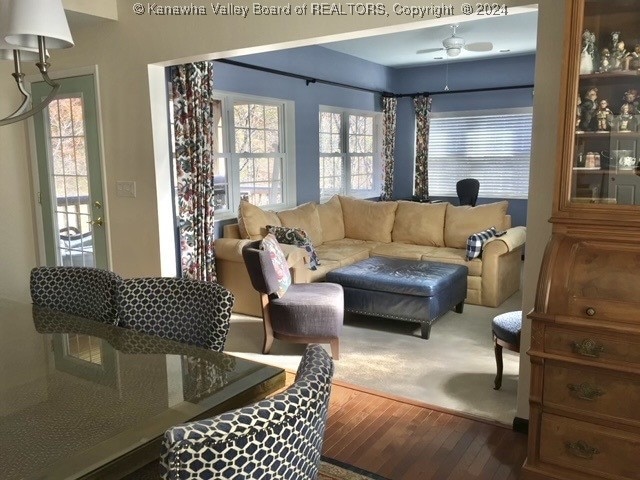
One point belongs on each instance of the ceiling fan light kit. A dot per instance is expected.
(454, 45)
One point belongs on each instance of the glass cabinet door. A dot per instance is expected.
(606, 164)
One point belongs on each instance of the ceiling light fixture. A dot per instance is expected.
(27, 28)
(453, 44)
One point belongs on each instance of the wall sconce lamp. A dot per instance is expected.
(27, 29)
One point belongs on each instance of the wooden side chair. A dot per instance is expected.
(300, 312)
(506, 330)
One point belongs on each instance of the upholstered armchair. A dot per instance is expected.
(179, 309)
(82, 291)
(297, 312)
(280, 437)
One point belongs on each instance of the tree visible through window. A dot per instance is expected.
(251, 157)
(349, 153)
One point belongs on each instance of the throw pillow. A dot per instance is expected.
(297, 237)
(253, 220)
(476, 241)
(270, 245)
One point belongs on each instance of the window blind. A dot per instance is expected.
(494, 148)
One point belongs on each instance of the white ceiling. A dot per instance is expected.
(515, 32)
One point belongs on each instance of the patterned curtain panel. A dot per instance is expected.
(195, 118)
(422, 105)
(389, 106)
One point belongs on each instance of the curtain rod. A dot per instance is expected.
(310, 80)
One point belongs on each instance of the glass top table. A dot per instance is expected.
(82, 399)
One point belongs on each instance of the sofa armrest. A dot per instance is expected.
(512, 239)
(230, 248)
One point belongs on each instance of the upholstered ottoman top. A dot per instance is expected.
(398, 275)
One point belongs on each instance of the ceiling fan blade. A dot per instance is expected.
(430, 50)
(479, 46)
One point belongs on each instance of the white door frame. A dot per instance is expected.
(33, 161)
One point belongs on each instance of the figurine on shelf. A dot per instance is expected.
(588, 49)
(619, 56)
(578, 110)
(634, 58)
(603, 115)
(630, 98)
(625, 118)
(588, 109)
(605, 61)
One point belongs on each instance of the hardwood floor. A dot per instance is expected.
(405, 441)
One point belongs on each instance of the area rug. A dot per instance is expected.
(329, 470)
(454, 369)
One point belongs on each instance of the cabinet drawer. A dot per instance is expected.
(592, 392)
(589, 448)
(595, 347)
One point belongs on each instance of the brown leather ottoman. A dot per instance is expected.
(408, 290)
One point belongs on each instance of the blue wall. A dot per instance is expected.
(326, 64)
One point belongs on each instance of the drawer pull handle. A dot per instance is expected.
(585, 391)
(587, 348)
(591, 311)
(581, 449)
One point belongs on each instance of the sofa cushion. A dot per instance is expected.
(401, 250)
(457, 256)
(304, 217)
(331, 221)
(461, 222)
(344, 251)
(368, 220)
(297, 237)
(253, 221)
(419, 223)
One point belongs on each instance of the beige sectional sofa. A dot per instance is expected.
(345, 230)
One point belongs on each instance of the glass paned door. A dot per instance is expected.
(70, 175)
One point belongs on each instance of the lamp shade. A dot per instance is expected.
(27, 55)
(22, 21)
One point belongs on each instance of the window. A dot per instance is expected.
(350, 159)
(492, 146)
(252, 152)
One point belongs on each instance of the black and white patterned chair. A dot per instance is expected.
(179, 309)
(83, 291)
(277, 438)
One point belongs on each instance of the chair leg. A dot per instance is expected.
(266, 323)
(460, 307)
(498, 351)
(335, 349)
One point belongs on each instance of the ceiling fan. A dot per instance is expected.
(453, 45)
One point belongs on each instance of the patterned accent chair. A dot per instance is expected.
(83, 291)
(306, 313)
(179, 309)
(280, 437)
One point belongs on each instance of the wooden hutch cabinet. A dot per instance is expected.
(584, 419)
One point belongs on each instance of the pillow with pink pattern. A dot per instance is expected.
(279, 261)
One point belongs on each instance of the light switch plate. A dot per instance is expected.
(125, 188)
